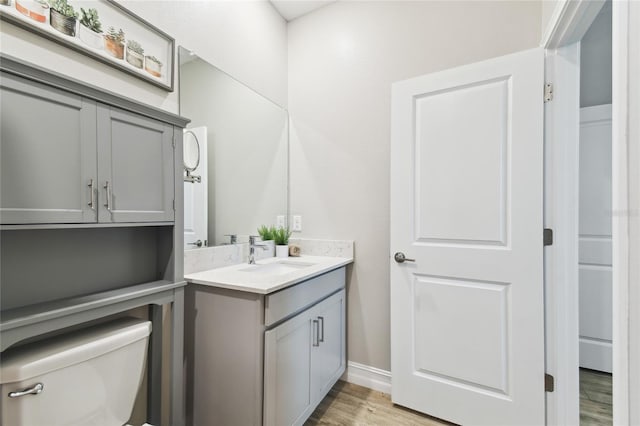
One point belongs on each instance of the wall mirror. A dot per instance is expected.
(242, 141)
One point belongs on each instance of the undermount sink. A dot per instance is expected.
(276, 268)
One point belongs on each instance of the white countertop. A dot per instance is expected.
(242, 277)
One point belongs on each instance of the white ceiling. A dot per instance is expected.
(292, 9)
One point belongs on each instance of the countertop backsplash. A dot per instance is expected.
(203, 259)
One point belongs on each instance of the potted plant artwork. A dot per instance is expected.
(63, 17)
(5, 2)
(135, 54)
(281, 238)
(153, 66)
(90, 28)
(114, 42)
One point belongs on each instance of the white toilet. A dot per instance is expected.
(87, 377)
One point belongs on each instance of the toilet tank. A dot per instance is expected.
(88, 377)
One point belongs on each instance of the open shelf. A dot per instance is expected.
(34, 320)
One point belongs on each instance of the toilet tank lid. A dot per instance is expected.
(37, 358)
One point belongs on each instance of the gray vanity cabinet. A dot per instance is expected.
(48, 154)
(303, 358)
(135, 167)
(67, 159)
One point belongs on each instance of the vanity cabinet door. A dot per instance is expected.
(47, 154)
(328, 358)
(135, 165)
(287, 366)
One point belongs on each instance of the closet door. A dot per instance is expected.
(135, 167)
(47, 154)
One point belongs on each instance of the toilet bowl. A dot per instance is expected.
(87, 377)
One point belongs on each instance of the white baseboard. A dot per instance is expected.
(367, 376)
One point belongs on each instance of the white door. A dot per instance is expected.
(467, 339)
(595, 279)
(195, 192)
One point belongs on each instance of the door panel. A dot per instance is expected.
(456, 170)
(287, 366)
(48, 156)
(136, 160)
(466, 204)
(328, 357)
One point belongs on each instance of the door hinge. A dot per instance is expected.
(548, 92)
(549, 383)
(547, 237)
(174, 205)
(173, 143)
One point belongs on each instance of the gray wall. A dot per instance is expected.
(342, 61)
(595, 61)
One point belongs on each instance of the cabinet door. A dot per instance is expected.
(328, 358)
(287, 364)
(47, 154)
(135, 166)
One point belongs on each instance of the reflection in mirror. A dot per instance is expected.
(247, 154)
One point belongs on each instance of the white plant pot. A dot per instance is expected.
(282, 251)
(91, 38)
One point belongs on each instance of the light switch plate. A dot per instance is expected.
(280, 221)
(297, 224)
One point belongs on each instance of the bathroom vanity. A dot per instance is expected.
(265, 342)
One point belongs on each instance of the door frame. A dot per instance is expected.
(569, 22)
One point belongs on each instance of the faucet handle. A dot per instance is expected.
(252, 239)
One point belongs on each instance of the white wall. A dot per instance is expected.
(342, 61)
(247, 39)
(595, 61)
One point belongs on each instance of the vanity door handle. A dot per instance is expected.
(321, 334)
(316, 332)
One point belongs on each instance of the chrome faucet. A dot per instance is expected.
(252, 248)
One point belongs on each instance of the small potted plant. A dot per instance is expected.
(37, 10)
(114, 42)
(281, 238)
(63, 17)
(266, 235)
(90, 28)
(153, 66)
(135, 54)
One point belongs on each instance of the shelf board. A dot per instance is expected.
(33, 320)
(29, 226)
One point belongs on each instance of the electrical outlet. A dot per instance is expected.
(297, 224)
(280, 221)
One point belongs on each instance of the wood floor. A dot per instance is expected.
(349, 404)
(595, 398)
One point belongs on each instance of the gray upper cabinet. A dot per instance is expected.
(47, 154)
(66, 159)
(135, 167)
